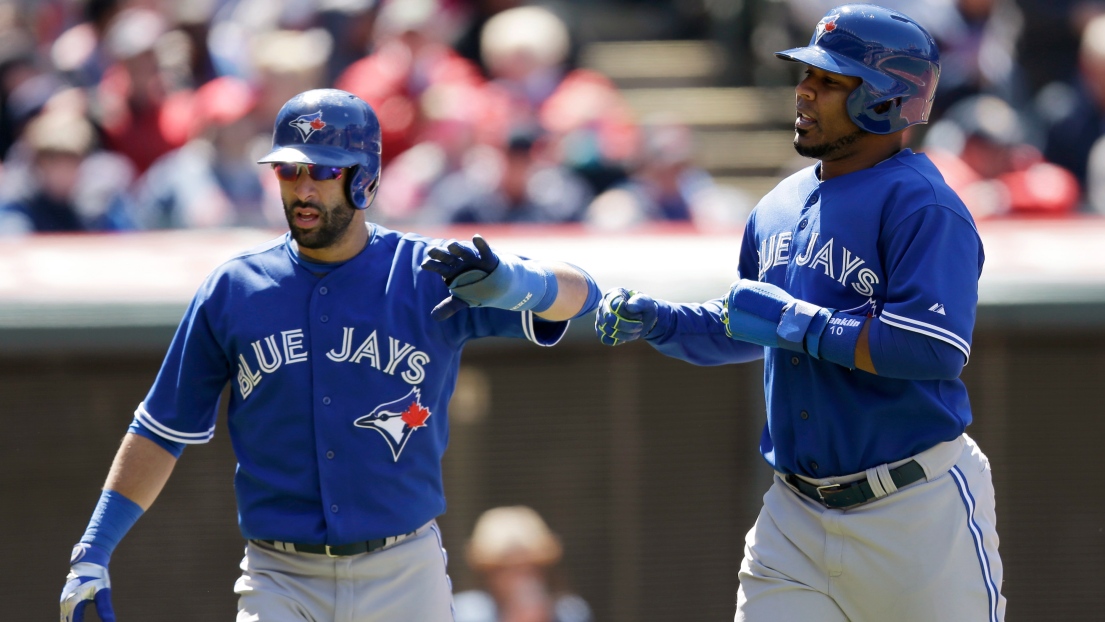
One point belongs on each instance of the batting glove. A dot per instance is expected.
(625, 316)
(478, 277)
(767, 315)
(86, 583)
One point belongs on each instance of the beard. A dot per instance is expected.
(333, 223)
(829, 150)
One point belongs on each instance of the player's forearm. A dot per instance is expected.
(576, 292)
(694, 333)
(140, 470)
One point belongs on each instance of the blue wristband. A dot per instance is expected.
(837, 342)
(515, 284)
(111, 520)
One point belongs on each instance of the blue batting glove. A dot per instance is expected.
(767, 315)
(625, 316)
(479, 277)
(87, 582)
(459, 264)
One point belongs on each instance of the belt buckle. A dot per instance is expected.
(821, 490)
(326, 547)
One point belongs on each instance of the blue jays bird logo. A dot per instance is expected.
(397, 420)
(308, 124)
(827, 24)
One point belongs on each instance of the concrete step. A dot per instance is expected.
(754, 107)
(635, 64)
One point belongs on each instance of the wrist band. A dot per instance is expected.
(111, 520)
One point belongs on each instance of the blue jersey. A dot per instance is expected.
(892, 242)
(339, 386)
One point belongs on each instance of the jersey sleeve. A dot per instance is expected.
(491, 322)
(183, 402)
(933, 260)
(694, 333)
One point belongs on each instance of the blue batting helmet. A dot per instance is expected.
(896, 58)
(331, 128)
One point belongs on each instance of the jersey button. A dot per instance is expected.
(323, 290)
(326, 401)
(330, 455)
(804, 415)
(334, 508)
(325, 318)
(802, 223)
(794, 360)
(813, 465)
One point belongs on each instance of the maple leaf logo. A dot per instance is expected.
(318, 124)
(415, 416)
(826, 25)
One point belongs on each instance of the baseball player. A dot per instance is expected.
(858, 281)
(341, 342)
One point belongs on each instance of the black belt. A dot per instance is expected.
(340, 550)
(840, 496)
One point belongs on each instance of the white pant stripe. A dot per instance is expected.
(976, 534)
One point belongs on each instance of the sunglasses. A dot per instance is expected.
(289, 171)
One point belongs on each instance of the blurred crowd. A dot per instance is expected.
(150, 114)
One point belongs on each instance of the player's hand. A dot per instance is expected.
(752, 311)
(86, 583)
(625, 316)
(767, 315)
(460, 264)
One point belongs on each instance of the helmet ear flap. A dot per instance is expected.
(362, 187)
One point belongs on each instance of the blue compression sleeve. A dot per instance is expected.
(515, 284)
(694, 333)
(173, 447)
(111, 520)
(904, 354)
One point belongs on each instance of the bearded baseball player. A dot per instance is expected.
(858, 281)
(341, 342)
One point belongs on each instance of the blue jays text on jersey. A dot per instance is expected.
(339, 386)
(892, 243)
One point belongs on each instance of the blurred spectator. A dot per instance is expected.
(978, 53)
(522, 185)
(213, 180)
(665, 185)
(132, 103)
(411, 55)
(57, 181)
(981, 150)
(526, 52)
(18, 72)
(453, 124)
(285, 63)
(514, 551)
(1075, 113)
(79, 53)
(467, 42)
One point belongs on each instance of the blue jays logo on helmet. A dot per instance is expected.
(895, 57)
(827, 24)
(308, 124)
(397, 420)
